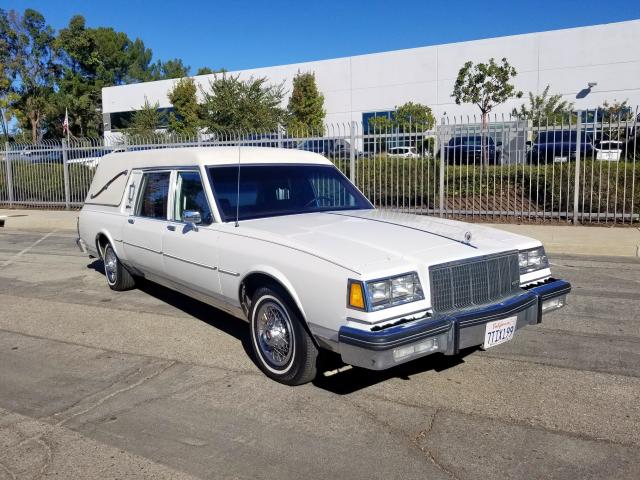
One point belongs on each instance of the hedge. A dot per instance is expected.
(44, 182)
(603, 185)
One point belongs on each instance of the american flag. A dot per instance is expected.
(65, 123)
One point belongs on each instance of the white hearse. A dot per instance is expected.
(283, 239)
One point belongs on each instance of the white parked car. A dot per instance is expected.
(403, 152)
(281, 238)
(609, 150)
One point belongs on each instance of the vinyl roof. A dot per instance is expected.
(211, 156)
(110, 179)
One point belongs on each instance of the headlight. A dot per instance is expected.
(386, 292)
(532, 260)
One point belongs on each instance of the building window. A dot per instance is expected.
(122, 120)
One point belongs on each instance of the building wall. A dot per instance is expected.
(566, 59)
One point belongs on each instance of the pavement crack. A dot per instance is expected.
(420, 442)
(95, 404)
(40, 440)
(9, 472)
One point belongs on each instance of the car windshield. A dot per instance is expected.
(272, 190)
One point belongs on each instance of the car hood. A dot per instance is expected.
(364, 240)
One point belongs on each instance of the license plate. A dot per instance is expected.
(559, 159)
(499, 331)
(607, 156)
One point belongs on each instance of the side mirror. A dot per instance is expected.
(192, 218)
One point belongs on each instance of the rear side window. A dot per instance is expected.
(154, 196)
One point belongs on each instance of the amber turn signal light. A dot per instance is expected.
(356, 295)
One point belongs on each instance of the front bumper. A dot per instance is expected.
(447, 333)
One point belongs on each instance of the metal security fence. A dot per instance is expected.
(579, 169)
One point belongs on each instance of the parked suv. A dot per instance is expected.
(559, 146)
(465, 149)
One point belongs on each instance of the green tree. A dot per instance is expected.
(185, 119)
(35, 69)
(545, 108)
(94, 58)
(381, 124)
(485, 85)
(411, 117)
(170, 69)
(616, 111)
(231, 103)
(145, 121)
(306, 105)
(7, 53)
(204, 71)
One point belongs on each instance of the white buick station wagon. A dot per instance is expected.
(283, 239)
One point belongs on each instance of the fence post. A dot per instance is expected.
(9, 175)
(352, 152)
(576, 182)
(65, 169)
(442, 172)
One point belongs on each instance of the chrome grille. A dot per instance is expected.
(477, 281)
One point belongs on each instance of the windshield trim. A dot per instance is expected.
(224, 219)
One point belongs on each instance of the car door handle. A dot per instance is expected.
(171, 228)
(131, 221)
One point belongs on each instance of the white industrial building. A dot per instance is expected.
(587, 65)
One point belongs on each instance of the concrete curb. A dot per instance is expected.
(557, 239)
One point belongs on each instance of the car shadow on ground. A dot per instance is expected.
(202, 311)
(351, 379)
(332, 374)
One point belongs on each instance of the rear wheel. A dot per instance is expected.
(118, 277)
(282, 346)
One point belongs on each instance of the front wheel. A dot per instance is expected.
(118, 277)
(282, 346)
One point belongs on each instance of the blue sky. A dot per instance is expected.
(241, 34)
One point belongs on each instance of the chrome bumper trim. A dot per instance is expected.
(453, 331)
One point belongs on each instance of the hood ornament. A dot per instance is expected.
(467, 237)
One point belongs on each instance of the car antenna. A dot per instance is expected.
(238, 191)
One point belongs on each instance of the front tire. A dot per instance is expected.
(282, 346)
(118, 277)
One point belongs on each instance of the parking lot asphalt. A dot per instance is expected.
(149, 383)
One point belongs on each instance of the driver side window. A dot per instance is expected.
(190, 195)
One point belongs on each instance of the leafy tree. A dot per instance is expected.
(306, 105)
(486, 85)
(145, 121)
(411, 117)
(137, 59)
(35, 68)
(93, 58)
(185, 119)
(545, 108)
(7, 53)
(204, 71)
(616, 111)
(382, 124)
(231, 103)
(169, 69)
